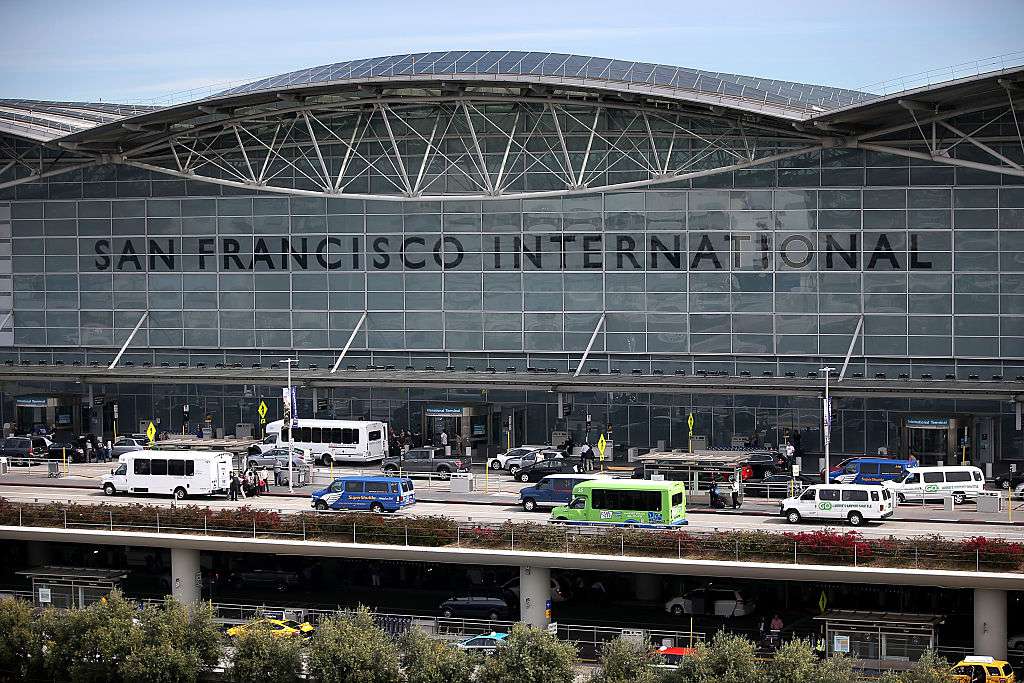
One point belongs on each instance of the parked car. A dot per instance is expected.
(485, 643)
(279, 628)
(59, 449)
(1009, 480)
(275, 579)
(672, 657)
(981, 669)
(518, 463)
(500, 462)
(127, 444)
(427, 460)
(871, 470)
(560, 591)
(24, 447)
(278, 456)
(778, 485)
(542, 468)
(551, 491)
(764, 463)
(481, 606)
(719, 601)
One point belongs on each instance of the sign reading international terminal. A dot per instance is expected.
(704, 251)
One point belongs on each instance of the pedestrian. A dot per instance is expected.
(199, 431)
(790, 451)
(776, 625)
(588, 458)
(444, 438)
(234, 487)
(277, 473)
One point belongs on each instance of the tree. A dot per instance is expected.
(352, 649)
(427, 660)
(173, 643)
(530, 655)
(726, 659)
(259, 655)
(626, 661)
(15, 637)
(930, 668)
(794, 662)
(835, 669)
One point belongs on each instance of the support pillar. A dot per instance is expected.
(647, 587)
(186, 577)
(990, 622)
(534, 595)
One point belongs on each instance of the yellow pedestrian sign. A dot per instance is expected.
(262, 410)
(689, 422)
(601, 443)
(151, 432)
(822, 602)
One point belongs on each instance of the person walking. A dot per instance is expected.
(277, 473)
(234, 487)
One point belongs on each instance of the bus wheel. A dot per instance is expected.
(376, 508)
(793, 517)
(109, 489)
(326, 460)
(252, 465)
(321, 505)
(855, 518)
(179, 493)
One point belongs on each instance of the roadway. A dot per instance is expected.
(496, 514)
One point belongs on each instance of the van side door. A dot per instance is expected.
(353, 496)
(933, 484)
(911, 487)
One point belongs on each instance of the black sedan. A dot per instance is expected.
(777, 485)
(763, 463)
(1010, 480)
(543, 468)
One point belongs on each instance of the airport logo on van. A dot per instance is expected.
(931, 488)
(825, 506)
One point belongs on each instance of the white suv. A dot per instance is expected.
(500, 462)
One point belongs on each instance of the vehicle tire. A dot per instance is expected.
(493, 616)
(109, 489)
(447, 613)
(1004, 484)
(677, 610)
(495, 464)
(376, 508)
(326, 460)
(900, 498)
(390, 469)
(512, 469)
(180, 493)
(444, 472)
(251, 465)
(793, 516)
(959, 498)
(855, 518)
(529, 504)
(321, 505)
(523, 478)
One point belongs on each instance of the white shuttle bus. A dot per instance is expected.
(175, 473)
(337, 441)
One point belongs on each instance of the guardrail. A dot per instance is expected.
(824, 547)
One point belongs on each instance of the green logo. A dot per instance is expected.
(931, 488)
(825, 506)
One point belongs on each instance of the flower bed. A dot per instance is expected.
(822, 547)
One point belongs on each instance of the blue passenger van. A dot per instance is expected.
(551, 491)
(377, 494)
(869, 470)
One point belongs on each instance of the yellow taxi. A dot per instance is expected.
(982, 670)
(279, 628)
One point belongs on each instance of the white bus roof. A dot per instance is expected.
(173, 455)
(317, 422)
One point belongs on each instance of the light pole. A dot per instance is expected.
(291, 419)
(826, 411)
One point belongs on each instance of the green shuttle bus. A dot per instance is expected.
(625, 502)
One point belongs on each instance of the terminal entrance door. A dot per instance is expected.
(930, 439)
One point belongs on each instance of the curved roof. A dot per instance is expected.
(43, 121)
(503, 62)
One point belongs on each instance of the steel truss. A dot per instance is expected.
(964, 136)
(37, 163)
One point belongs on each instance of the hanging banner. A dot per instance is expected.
(295, 408)
(827, 411)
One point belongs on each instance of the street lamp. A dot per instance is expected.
(826, 410)
(291, 418)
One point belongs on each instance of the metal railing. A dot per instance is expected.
(824, 547)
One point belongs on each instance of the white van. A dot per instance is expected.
(855, 503)
(175, 473)
(929, 483)
(332, 441)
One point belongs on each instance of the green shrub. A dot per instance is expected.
(351, 648)
(625, 661)
(428, 660)
(259, 655)
(530, 655)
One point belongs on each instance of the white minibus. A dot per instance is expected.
(175, 473)
(930, 483)
(855, 503)
(337, 441)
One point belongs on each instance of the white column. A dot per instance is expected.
(990, 622)
(186, 578)
(534, 594)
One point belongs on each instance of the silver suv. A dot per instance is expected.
(277, 456)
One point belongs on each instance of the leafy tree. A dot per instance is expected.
(15, 637)
(259, 655)
(173, 643)
(625, 661)
(931, 668)
(726, 659)
(427, 660)
(835, 669)
(352, 649)
(794, 662)
(530, 655)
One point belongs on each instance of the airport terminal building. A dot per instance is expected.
(482, 239)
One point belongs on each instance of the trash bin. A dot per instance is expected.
(988, 501)
(461, 482)
(52, 469)
(947, 504)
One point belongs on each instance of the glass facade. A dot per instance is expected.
(759, 270)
